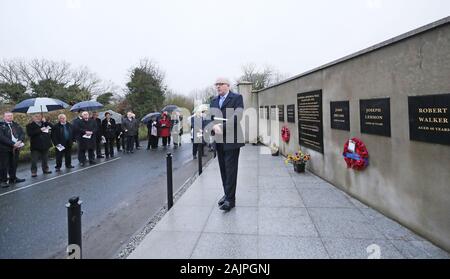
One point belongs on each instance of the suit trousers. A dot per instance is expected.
(109, 147)
(228, 163)
(8, 165)
(35, 155)
(66, 153)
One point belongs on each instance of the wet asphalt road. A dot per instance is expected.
(119, 196)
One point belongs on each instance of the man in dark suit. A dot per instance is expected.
(40, 142)
(98, 135)
(86, 139)
(11, 141)
(229, 138)
(62, 137)
(109, 132)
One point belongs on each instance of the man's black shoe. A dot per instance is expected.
(47, 172)
(82, 164)
(57, 169)
(227, 206)
(16, 180)
(92, 162)
(70, 167)
(4, 184)
(195, 157)
(221, 201)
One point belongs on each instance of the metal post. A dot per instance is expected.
(200, 155)
(169, 181)
(74, 228)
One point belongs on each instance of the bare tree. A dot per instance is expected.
(10, 72)
(203, 95)
(261, 78)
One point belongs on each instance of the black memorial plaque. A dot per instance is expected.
(291, 113)
(281, 113)
(267, 112)
(273, 112)
(429, 118)
(375, 116)
(340, 115)
(310, 124)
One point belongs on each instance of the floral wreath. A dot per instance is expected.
(359, 159)
(285, 134)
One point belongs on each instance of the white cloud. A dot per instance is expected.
(73, 4)
(374, 4)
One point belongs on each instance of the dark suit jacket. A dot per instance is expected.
(233, 101)
(38, 139)
(6, 144)
(58, 135)
(109, 131)
(84, 126)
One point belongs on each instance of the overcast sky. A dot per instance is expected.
(194, 41)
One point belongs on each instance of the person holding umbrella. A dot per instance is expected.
(109, 132)
(152, 127)
(11, 141)
(40, 142)
(86, 139)
(98, 135)
(164, 124)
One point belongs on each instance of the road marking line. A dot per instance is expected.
(53, 178)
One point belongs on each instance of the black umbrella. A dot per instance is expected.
(36, 105)
(151, 116)
(170, 108)
(86, 106)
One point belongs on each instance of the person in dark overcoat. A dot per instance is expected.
(62, 137)
(109, 132)
(12, 137)
(40, 142)
(86, 139)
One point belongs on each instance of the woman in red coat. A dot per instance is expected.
(164, 131)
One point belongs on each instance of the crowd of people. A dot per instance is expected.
(87, 130)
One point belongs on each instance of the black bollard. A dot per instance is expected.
(200, 155)
(74, 228)
(169, 181)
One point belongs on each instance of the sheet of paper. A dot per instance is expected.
(351, 146)
(60, 147)
(87, 136)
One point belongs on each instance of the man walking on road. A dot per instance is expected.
(11, 141)
(230, 106)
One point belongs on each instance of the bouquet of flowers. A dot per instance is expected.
(298, 158)
(275, 150)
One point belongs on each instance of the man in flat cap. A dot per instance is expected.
(229, 139)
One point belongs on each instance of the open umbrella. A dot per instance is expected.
(170, 108)
(86, 106)
(39, 105)
(114, 115)
(150, 116)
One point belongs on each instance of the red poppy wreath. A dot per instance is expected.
(355, 154)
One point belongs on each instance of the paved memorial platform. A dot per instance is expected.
(278, 214)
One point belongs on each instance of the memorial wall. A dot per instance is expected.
(395, 98)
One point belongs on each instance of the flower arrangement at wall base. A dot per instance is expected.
(355, 154)
(298, 160)
(275, 150)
